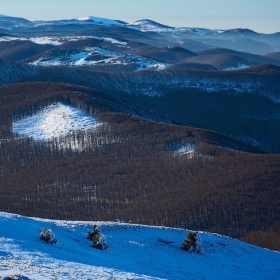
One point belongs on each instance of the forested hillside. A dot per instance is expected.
(131, 169)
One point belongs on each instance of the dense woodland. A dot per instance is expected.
(127, 169)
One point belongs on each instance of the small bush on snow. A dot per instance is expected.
(192, 243)
(99, 241)
(47, 236)
(15, 277)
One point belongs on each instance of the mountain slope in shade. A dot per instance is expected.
(275, 56)
(9, 23)
(169, 54)
(254, 59)
(221, 61)
(135, 252)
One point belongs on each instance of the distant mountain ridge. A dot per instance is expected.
(143, 25)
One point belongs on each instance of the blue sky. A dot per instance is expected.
(259, 15)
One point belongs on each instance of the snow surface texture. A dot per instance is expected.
(53, 121)
(135, 252)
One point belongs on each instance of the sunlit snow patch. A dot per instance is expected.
(178, 148)
(187, 148)
(45, 41)
(11, 38)
(240, 66)
(36, 40)
(54, 121)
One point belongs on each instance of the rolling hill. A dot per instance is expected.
(130, 168)
(135, 252)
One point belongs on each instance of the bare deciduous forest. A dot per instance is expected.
(127, 169)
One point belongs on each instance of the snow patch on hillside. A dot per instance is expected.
(111, 40)
(45, 41)
(187, 148)
(178, 148)
(35, 40)
(53, 121)
(99, 56)
(56, 41)
(135, 252)
(11, 38)
(240, 66)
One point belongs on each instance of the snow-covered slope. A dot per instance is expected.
(147, 25)
(100, 21)
(54, 40)
(135, 252)
(53, 121)
(152, 26)
(80, 21)
(96, 56)
(240, 66)
(10, 23)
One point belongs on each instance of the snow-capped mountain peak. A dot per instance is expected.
(100, 21)
(146, 25)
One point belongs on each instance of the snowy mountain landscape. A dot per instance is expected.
(148, 131)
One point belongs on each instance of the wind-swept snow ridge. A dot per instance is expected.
(135, 252)
(53, 121)
(100, 21)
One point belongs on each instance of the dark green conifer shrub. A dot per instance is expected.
(192, 243)
(98, 240)
(47, 236)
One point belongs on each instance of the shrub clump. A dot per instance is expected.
(192, 243)
(15, 277)
(98, 240)
(47, 236)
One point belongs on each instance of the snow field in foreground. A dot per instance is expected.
(53, 121)
(135, 252)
